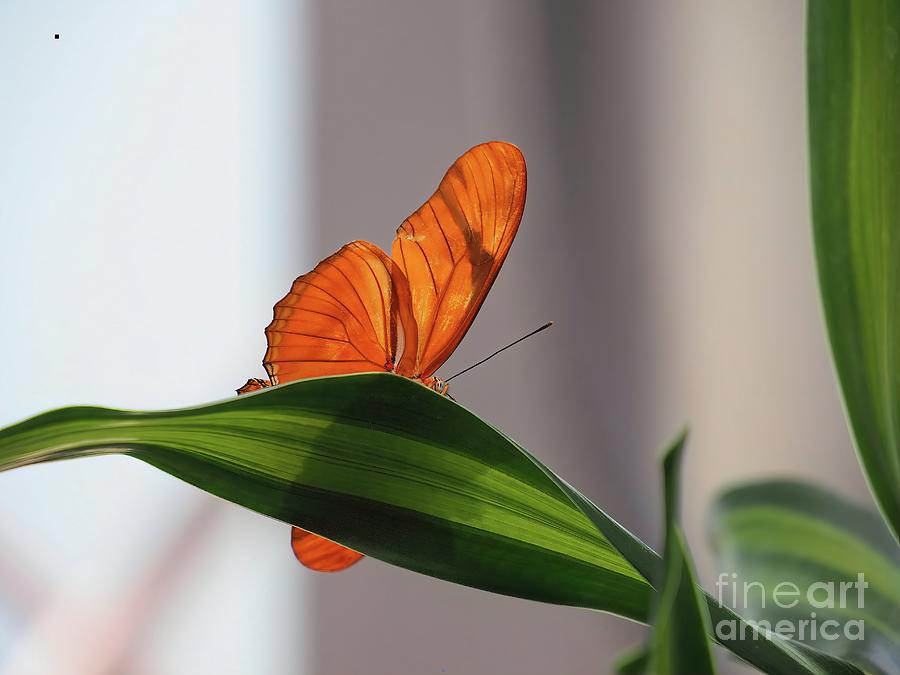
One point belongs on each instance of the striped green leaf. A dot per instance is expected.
(378, 463)
(854, 120)
(383, 465)
(812, 542)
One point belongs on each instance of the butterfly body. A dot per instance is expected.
(434, 383)
(362, 310)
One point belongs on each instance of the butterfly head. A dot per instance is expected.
(437, 384)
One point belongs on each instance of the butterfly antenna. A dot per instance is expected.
(502, 349)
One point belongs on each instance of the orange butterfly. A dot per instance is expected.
(361, 311)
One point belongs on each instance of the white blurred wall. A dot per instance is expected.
(152, 208)
(740, 350)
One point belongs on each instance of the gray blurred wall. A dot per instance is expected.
(666, 232)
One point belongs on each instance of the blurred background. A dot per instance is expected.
(168, 168)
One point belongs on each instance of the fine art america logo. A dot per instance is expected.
(786, 595)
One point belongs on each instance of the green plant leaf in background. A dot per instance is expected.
(854, 121)
(635, 661)
(779, 532)
(681, 623)
(679, 641)
(384, 465)
(766, 650)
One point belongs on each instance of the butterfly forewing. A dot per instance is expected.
(451, 249)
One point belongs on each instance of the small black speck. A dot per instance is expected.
(56, 36)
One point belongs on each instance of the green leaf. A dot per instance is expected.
(854, 121)
(679, 642)
(378, 463)
(785, 532)
(633, 662)
(391, 469)
(766, 650)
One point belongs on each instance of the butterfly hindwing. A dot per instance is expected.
(340, 318)
(320, 554)
(336, 319)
